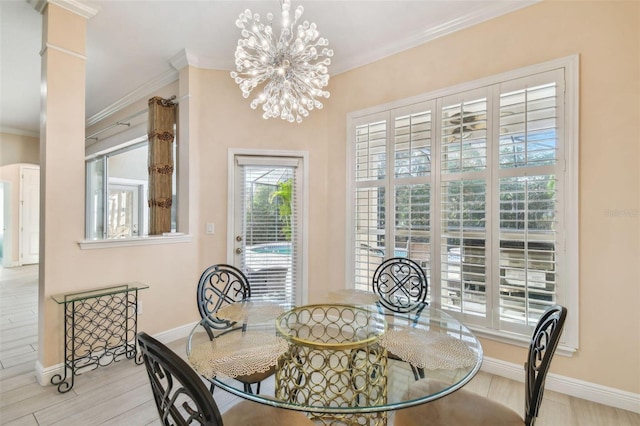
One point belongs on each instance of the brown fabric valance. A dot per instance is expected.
(162, 120)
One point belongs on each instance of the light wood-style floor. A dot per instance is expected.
(119, 394)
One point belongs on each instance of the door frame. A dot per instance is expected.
(303, 156)
(24, 213)
(140, 189)
(7, 246)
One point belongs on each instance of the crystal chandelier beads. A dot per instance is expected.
(292, 66)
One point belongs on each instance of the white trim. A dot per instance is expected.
(146, 89)
(135, 241)
(569, 64)
(81, 8)
(304, 209)
(566, 385)
(457, 24)
(44, 375)
(187, 57)
(7, 238)
(516, 339)
(19, 132)
(128, 137)
(177, 333)
(571, 195)
(569, 386)
(182, 59)
(63, 50)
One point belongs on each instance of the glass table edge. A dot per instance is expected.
(391, 406)
(262, 399)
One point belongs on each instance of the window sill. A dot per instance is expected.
(517, 340)
(137, 241)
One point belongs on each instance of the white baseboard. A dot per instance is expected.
(568, 386)
(175, 333)
(44, 375)
(577, 388)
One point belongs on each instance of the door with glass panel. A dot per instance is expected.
(267, 225)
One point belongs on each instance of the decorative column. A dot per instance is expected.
(162, 120)
(62, 167)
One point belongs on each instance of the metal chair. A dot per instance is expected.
(182, 399)
(222, 285)
(468, 408)
(402, 286)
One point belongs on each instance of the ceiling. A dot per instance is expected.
(131, 44)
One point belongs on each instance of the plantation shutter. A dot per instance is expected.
(411, 182)
(370, 199)
(529, 110)
(471, 186)
(463, 209)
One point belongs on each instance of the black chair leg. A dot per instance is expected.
(418, 373)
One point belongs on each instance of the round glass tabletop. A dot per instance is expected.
(340, 359)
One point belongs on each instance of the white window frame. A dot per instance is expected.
(569, 287)
(302, 159)
(114, 145)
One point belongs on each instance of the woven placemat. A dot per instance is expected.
(250, 312)
(237, 354)
(428, 349)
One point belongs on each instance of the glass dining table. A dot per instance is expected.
(341, 363)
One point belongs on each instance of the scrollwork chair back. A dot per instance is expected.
(180, 396)
(401, 285)
(465, 407)
(541, 350)
(220, 285)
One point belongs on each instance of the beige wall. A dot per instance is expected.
(226, 121)
(606, 35)
(19, 149)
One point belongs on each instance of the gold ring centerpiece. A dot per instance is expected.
(334, 359)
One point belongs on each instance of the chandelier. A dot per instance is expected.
(292, 67)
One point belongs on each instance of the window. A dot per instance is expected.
(269, 224)
(117, 193)
(475, 183)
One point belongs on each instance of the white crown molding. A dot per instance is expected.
(182, 59)
(446, 28)
(186, 57)
(146, 89)
(19, 132)
(63, 50)
(78, 7)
